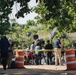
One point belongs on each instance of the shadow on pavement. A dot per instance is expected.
(35, 72)
(29, 72)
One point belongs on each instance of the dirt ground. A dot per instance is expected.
(38, 70)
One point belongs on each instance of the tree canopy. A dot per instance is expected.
(51, 13)
(6, 9)
(57, 13)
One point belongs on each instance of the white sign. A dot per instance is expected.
(53, 31)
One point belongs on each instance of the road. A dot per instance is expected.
(38, 70)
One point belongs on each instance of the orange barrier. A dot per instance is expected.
(19, 60)
(70, 58)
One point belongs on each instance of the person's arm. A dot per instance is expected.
(61, 45)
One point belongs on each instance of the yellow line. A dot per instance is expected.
(44, 50)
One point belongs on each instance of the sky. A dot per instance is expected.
(27, 17)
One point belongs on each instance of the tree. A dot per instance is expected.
(6, 9)
(57, 13)
(30, 26)
(7, 4)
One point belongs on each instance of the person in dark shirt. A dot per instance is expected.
(57, 50)
(48, 46)
(0, 50)
(4, 50)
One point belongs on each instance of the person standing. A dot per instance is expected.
(4, 51)
(57, 50)
(48, 46)
(10, 53)
(32, 47)
(0, 50)
(37, 53)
